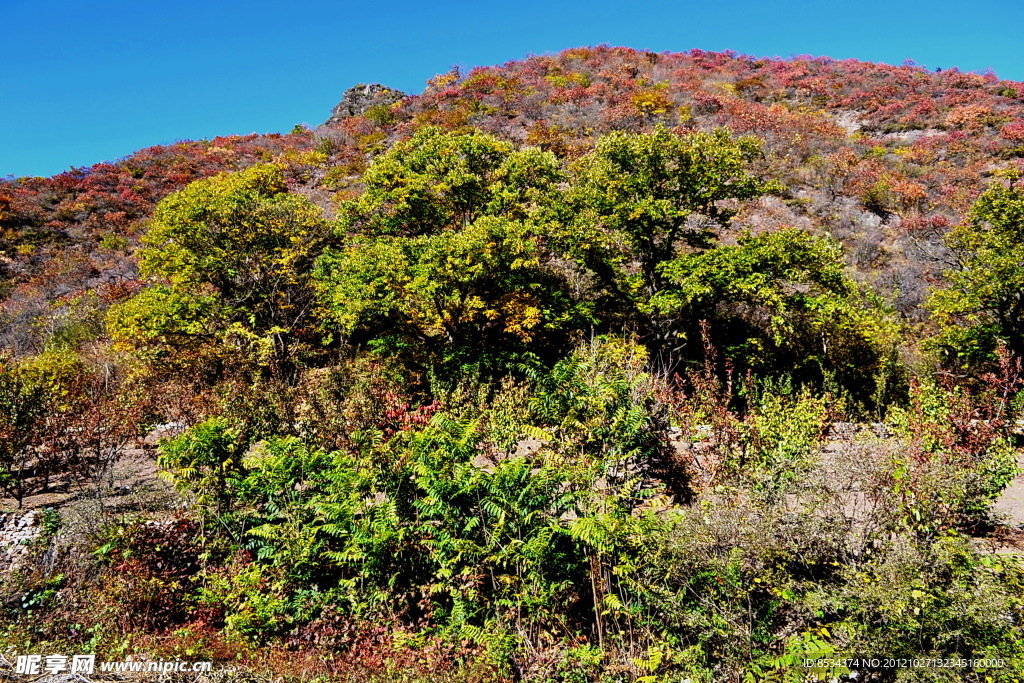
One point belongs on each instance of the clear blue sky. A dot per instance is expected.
(85, 82)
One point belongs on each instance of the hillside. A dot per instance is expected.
(601, 366)
(883, 158)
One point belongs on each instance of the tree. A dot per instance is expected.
(453, 253)
(230, 255)
(437, 180)
(654, 193)
(59, 418)
(23, 404)
(984, 302)
(486, 283)
(203, 460)
(779, 301)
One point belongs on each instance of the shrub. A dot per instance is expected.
(203, 460)
(955, 459)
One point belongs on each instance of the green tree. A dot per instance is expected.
(984, 301)
(655, 193)
(453, 253)
(203, 460)
(438, 180)
(780, 301)
(227, 255)
(485, 284)
(651, 207)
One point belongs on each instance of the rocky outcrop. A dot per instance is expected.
(359, 98)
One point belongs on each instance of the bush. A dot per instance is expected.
(955, 458)
(202, 461)
(787, 429)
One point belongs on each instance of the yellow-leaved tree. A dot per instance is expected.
(448, 251)
(228, 260)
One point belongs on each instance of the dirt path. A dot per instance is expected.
(132, 485)
(1010, 505)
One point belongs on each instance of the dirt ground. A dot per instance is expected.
(133, 486)
(1010, 505)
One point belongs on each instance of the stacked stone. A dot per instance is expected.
(17, 532)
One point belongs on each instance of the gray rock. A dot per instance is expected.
(359, 98)
(164, 431)
(17, 532)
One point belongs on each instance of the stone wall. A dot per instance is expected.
(18, 530)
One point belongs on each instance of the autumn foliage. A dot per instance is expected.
(600, 366)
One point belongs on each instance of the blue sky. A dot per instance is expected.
(85, 82)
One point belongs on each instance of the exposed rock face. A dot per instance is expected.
(359, 98)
